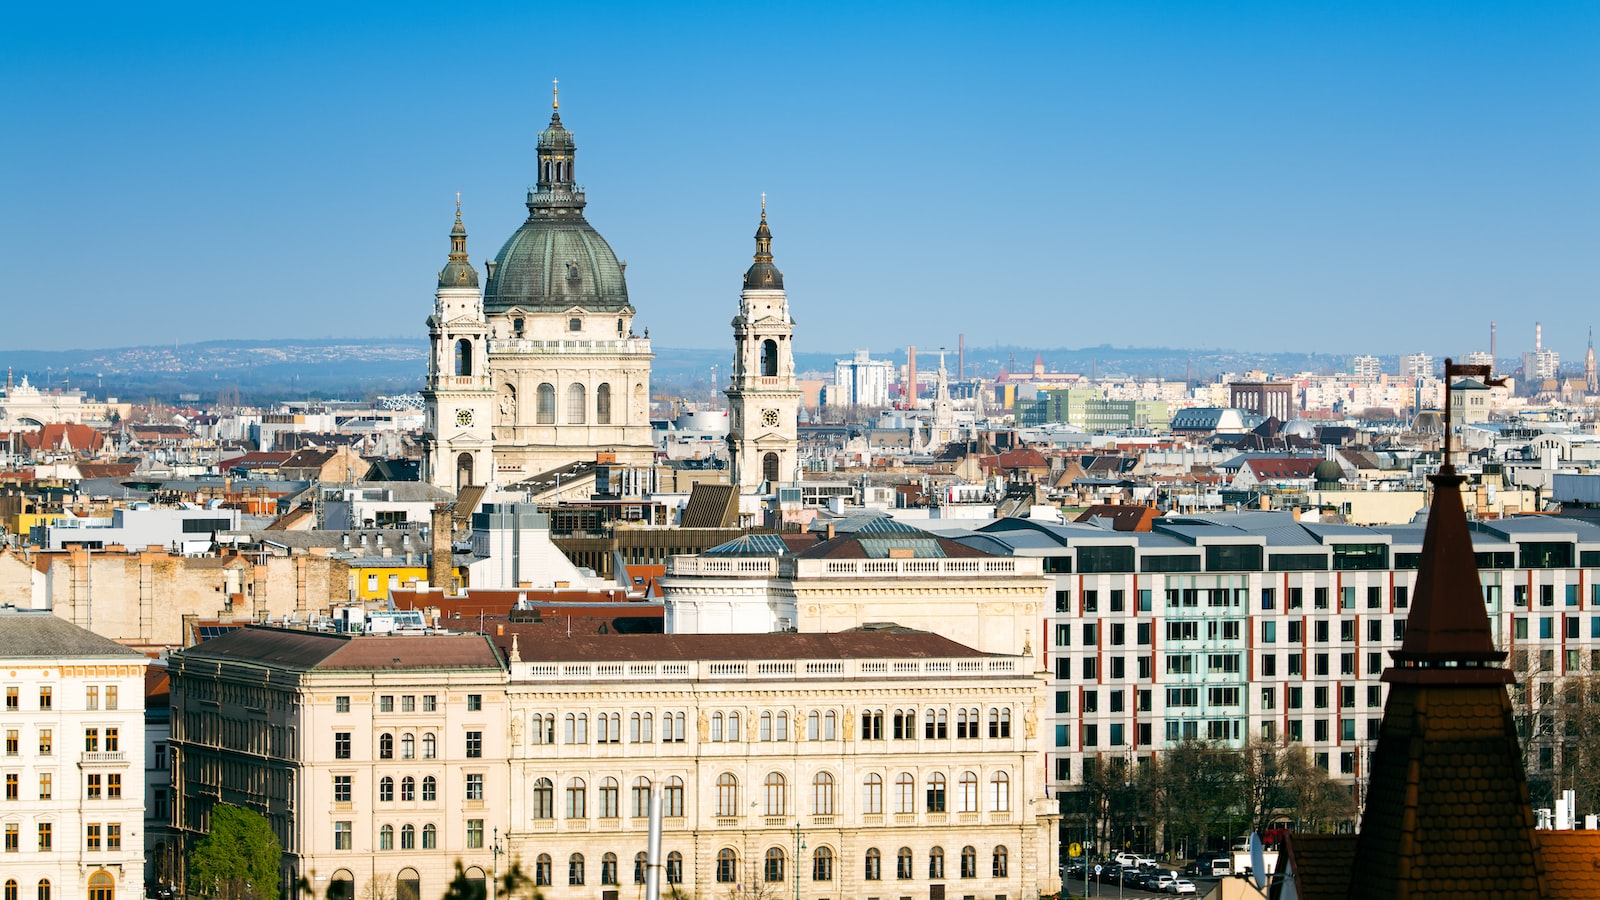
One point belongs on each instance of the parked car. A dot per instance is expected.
(1180, 886)
(1161, 881)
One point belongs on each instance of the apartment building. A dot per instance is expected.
(877, 763)
(1237, 625)
(74, 761)
(365, 754)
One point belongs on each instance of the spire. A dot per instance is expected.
(458, 272)
(762, 274)
(556, 192)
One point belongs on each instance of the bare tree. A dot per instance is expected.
(379, 887)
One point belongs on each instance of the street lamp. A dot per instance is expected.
(495, 850)
(799, 848)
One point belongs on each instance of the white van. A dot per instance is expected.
(1220, 868)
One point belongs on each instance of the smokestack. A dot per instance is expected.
(439, 559)
(961, 356)
(1538, 336)
(1491, 341)
(911, 378)
(652, 872)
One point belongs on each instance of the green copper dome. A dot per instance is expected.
(556, 260)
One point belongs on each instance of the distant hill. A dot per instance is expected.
(353, 368)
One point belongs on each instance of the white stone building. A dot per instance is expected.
(74, 761)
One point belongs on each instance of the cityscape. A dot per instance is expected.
(939, 571)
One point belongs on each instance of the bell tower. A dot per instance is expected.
(458, 438)
(763, 401)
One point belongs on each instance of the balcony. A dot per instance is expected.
(104, 758)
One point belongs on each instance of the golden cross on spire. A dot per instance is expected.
(763, 204)
(555, 93)
(458, 203)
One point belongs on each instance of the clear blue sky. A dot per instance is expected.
(1290, 176)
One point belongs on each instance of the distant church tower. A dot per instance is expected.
(1591, 378)
(458, 441)
(763, 401)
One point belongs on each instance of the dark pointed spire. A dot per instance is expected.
(762, 274)
(458, 272)
(556, 192)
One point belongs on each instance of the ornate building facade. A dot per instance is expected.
(763, 400)
(550, 371)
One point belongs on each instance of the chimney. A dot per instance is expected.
(1491, 340)
(911, 378)
(830, 531)
(1538, 336)
(439, 557)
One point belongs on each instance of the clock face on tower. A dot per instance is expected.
(464, 418)
(769, 418)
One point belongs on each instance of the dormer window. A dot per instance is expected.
(516, 327)
(574, 324)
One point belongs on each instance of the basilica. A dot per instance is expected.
(538, 367)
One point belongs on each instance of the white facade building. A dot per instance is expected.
(74, 761)
(861, 381)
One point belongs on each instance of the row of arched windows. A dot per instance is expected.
(408, 837)
(408, 789)
(608, 728)
(774, 866)
(820, 725)
(822, 864)
(823, 800)
(408, 746)
(577, 410)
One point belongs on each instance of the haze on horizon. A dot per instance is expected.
(1370, 178)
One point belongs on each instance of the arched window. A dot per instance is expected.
(577, 800)
(672, 798)
(610, 792)
(766, 726)
(1000, 792)
(1000, 861)
(102, 886)
(544, 799)
(640, 807)
(733, 727)
(969, 861)
(905, 793)
(11, 889)
(463, 357)
(716, 727)
(902, 863)
(408, 789)
(544, 410)
(575, 869)
(727, 795)
(430, 789)
(408, 837)
(386, 746)
(772, 867)
(641, 862)
(542, 870)
(936, 863)
(428, 746)
(936, 792)
(639, 727)
(408, 885)
(386, 837)
(608, 869)
(430, 837)
(769, 358)
(602, 404)
(386, 789)
(769, 467)
(577, 403)
(780, 728)
(830, 726)
(822, 864)
(814, 725)
(873, 871)
(967, 793)
(727, 866)
(776, 801)
(872, 795)
(822, 794)
(408, 746)
(464, 470)
(44, 889)
(674, 868)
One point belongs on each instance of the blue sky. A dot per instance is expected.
(1290, 176)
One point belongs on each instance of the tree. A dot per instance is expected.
(379, 887)
(239, 858)
(1317, 802)
(1263, 779)
(516, 883)
(1198, 792)
(463, 888)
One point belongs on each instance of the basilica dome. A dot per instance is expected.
(556, 260)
